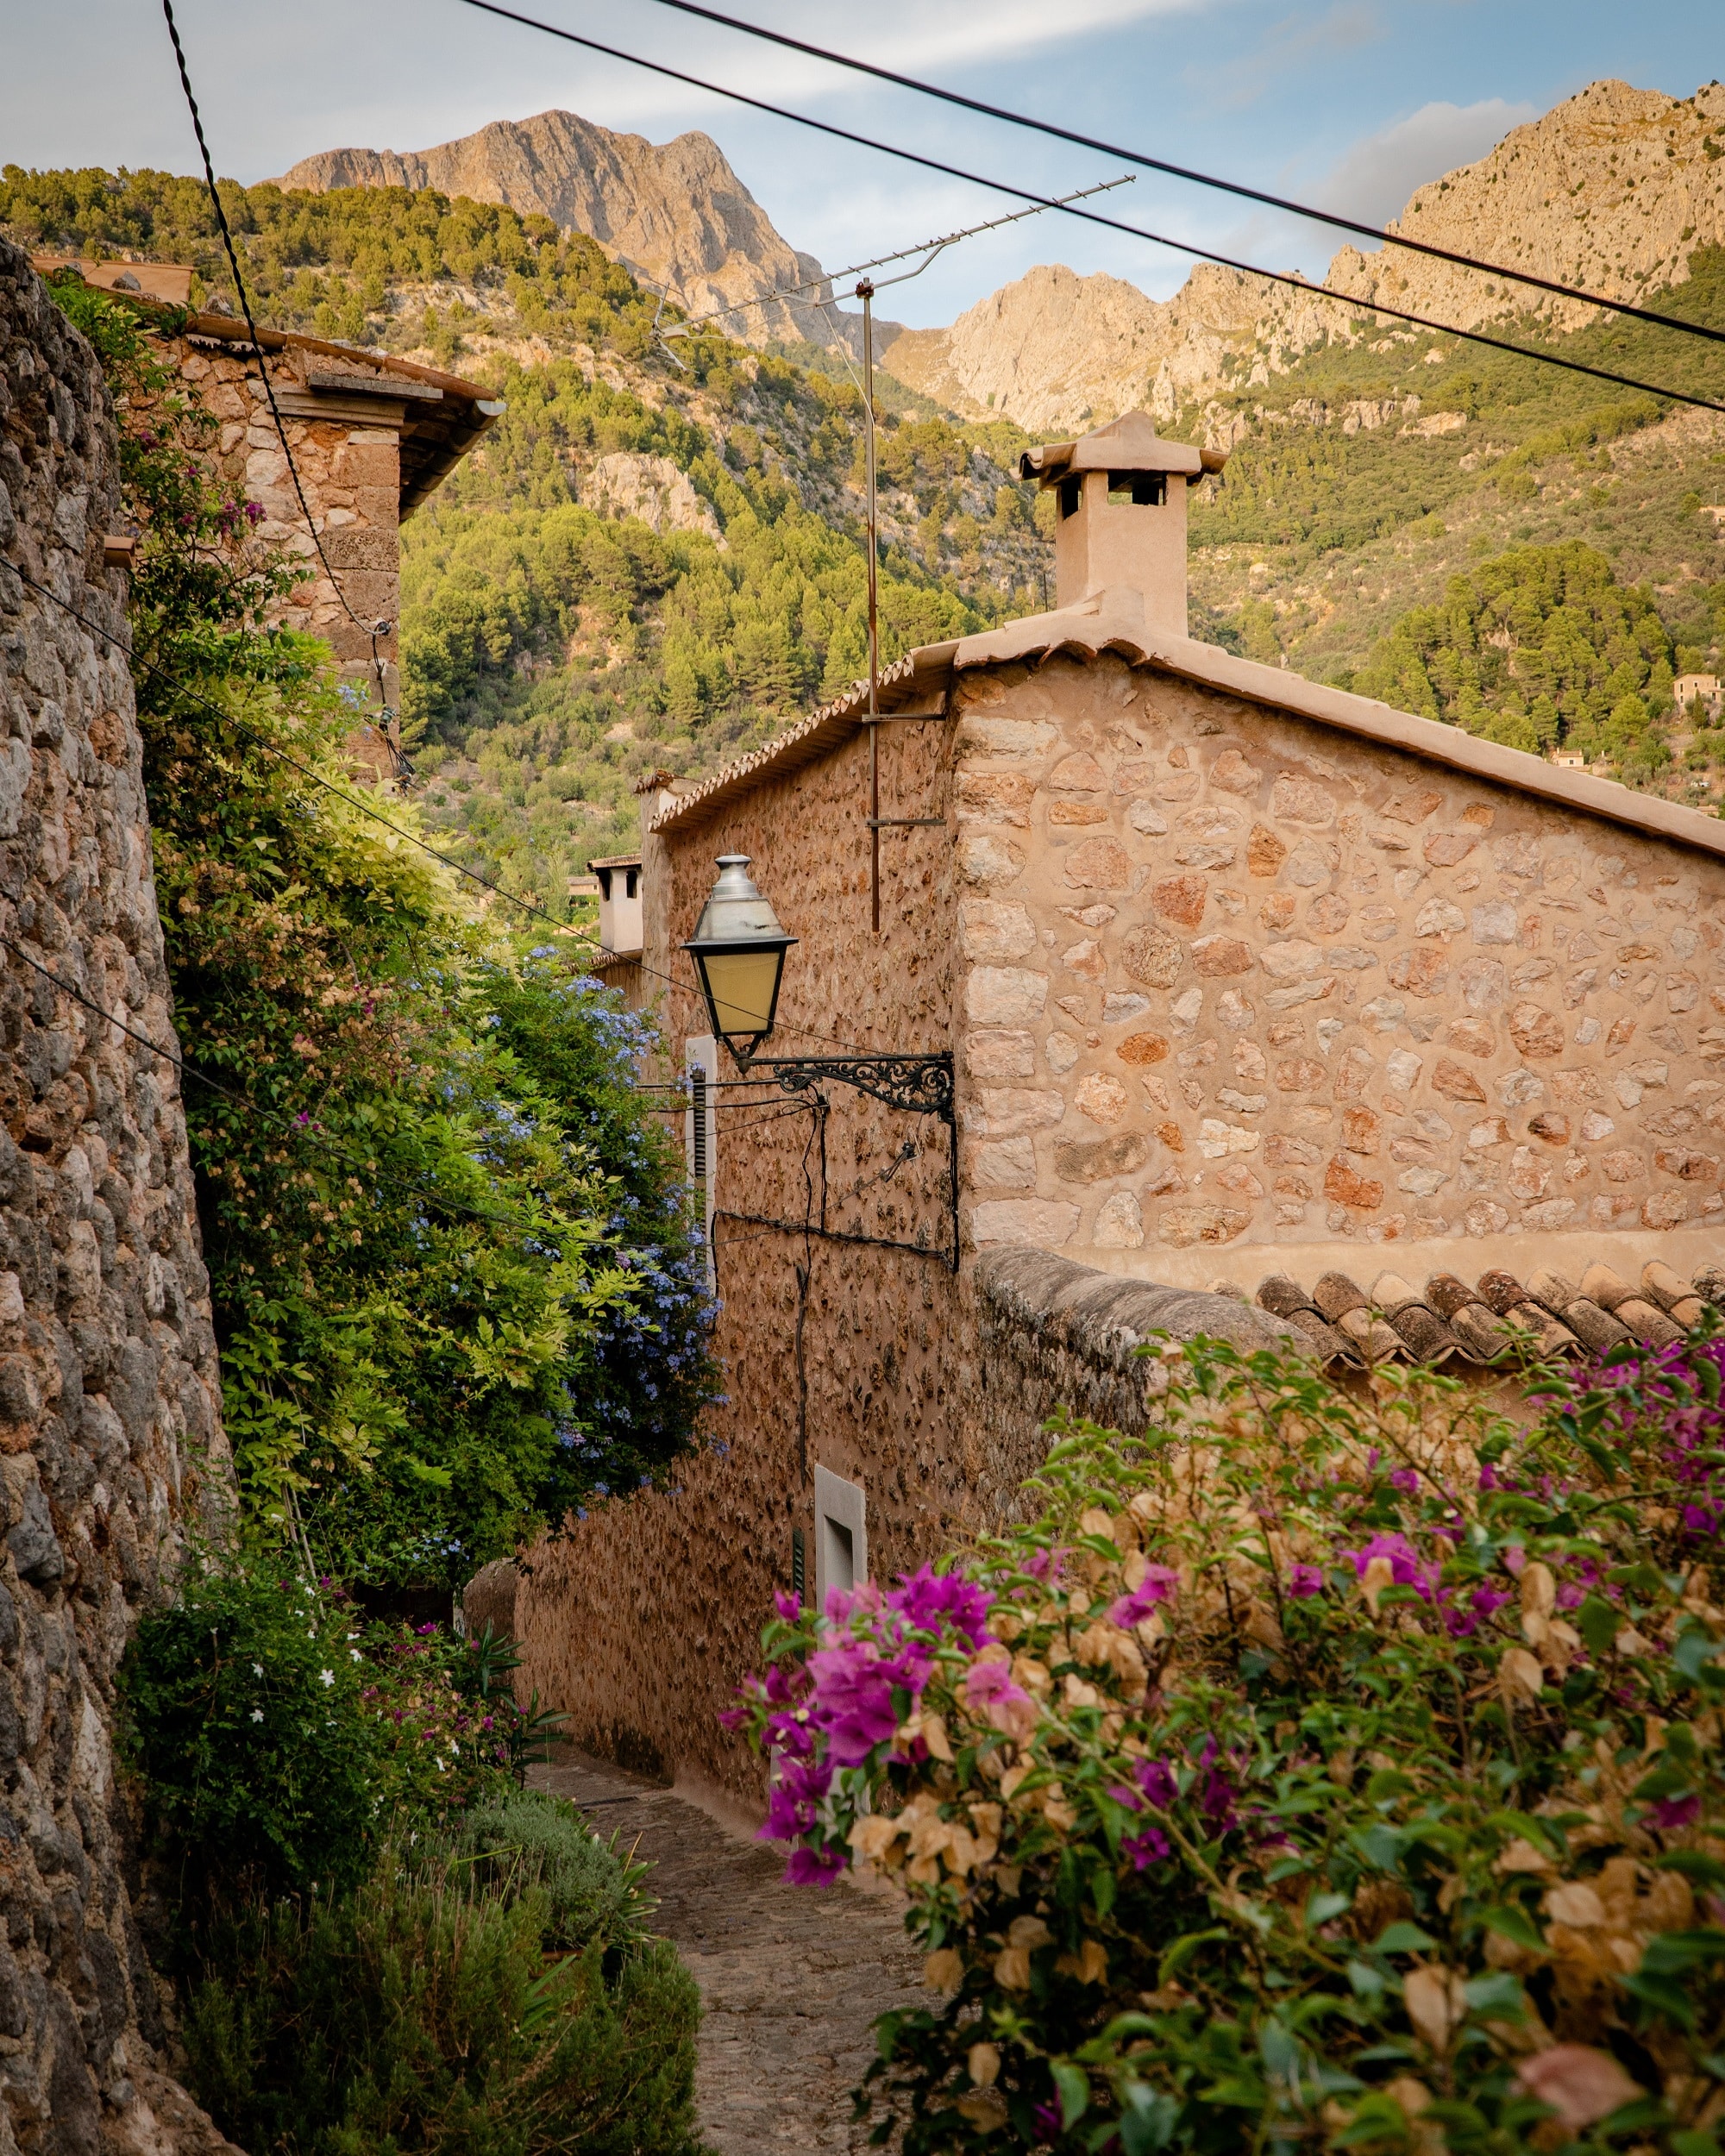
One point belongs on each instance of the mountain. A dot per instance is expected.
(1054, 351)
(676, 214)
(1613, 190)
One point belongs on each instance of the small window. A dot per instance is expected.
(1072, 493)
(841, 1535)
(1138, 489)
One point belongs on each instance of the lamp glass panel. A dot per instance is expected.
(741, 985)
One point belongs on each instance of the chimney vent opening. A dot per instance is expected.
(1139, 490)
(1072, 493)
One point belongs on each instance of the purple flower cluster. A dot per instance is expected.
(1159, 1585)
(863, 1679)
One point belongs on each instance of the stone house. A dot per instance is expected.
(373, 436)
(1271, 1009)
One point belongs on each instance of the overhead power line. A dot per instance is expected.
(1111, 224)
(1331, 217)
(366, 629)
(933, 249)
(354, 800)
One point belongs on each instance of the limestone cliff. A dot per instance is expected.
(1611, 191)
(111, 1448)
(676, 214)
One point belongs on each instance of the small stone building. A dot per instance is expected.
(1271, 1009)
(373, 436)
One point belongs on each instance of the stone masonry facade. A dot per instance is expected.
(352, 477)
(639, 1619)
(111, 1447)
(1234, 979)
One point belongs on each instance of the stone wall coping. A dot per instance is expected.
(1113, 622)
(1103, 1318)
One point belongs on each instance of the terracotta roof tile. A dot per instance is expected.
(1447, 1321)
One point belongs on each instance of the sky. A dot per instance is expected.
(1347, 104)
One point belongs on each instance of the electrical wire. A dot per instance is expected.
(354, 800)
(1332, 218)
(353, 1161)
(366, 629)
(1111, 224)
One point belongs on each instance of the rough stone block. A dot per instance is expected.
(1046, 1223)
(1004, 995)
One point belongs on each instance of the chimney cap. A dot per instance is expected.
(1129, 443)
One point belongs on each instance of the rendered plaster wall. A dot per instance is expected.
(1236, 981)
(110, 1440)
(641, 1621)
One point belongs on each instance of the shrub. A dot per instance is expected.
(428, 2011)
(592, 1893)
(243, 1714)
(1323, 1768)
(276, 1741)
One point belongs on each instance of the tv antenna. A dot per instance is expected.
(930, 251)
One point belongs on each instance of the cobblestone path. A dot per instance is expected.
(791, 1977)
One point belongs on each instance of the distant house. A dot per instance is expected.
(372, 437)
(1273, 1011)
(1690, 689)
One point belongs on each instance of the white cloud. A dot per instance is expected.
(1373, 180)
(913, 35)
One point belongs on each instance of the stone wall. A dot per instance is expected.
(837, 1352)
(1236, 982)
(111, 1449)
(1053, 1335)
(352, 477)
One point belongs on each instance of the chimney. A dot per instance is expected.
(620, 910)
(1121, 494)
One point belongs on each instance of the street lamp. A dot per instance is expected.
(738, 949)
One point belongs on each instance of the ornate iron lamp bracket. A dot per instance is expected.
(921, 1085)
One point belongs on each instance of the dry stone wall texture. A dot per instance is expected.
(110, 1438)
(1234, 979)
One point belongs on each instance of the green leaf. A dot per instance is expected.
(1074, 2084)
(1365, 1980)
(1695, 2142)
(1182, 1950)
(1693, 1864)
(1322, 1906)
(1598, 1622)
(1402, 1938)
(1694, 1648)
(1387, 1783)
(1664, 1994)
(1497, 1996)
(1683, 1950)
(1509, 1921)
(1147, 2119)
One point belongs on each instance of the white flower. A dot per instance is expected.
(353, 1653)
(326, 1677)
(257, 1669)
(257, 1713)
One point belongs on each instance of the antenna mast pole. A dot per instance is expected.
(865, 292)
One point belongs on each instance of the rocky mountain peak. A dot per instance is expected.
(1611, 191)
(674, 214)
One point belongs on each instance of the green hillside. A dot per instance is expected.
(553, 654)
(1424, 553)
(1523, 552)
